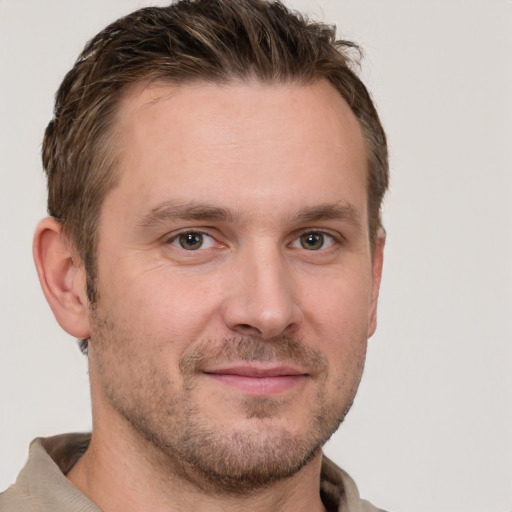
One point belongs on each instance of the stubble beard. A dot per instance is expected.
(184, 442)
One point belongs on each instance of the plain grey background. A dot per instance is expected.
(431, 429)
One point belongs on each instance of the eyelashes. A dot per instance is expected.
(193, 241)
(196, 240)
(314, 241)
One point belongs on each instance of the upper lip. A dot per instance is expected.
(257, 371)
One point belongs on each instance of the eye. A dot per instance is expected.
(193, 241)
(313, 241)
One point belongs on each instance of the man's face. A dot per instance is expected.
(236, 290)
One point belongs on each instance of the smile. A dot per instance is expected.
(254, 380)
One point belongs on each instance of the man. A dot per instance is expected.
(215, 175)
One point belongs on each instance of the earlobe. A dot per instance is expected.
(377, 262)
(62, 278)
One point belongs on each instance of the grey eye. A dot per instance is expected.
(193, 241)
(312, 241)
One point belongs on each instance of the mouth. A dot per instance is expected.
(258, 380)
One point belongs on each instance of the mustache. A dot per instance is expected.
(280, 349)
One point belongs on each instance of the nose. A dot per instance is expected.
(260, 297)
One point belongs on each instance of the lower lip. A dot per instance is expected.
(259, 385)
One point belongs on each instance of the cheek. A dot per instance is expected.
(161, 305)
(340, 303)
(337, 317)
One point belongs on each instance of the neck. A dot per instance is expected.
(117, 478)
(123, 472)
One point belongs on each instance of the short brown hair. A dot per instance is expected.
(191, 40)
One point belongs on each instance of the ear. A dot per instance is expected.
(377, 261)
(62, 278)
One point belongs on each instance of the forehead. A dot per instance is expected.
(216, 140)
(197, 105)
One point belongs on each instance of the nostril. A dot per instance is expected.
(247, 329)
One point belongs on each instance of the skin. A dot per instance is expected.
(237, 290)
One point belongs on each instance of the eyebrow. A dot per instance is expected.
(171, 211)
(335, 211)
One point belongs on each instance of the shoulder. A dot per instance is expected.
(42, 485)
(17, 498)
(340, 492)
